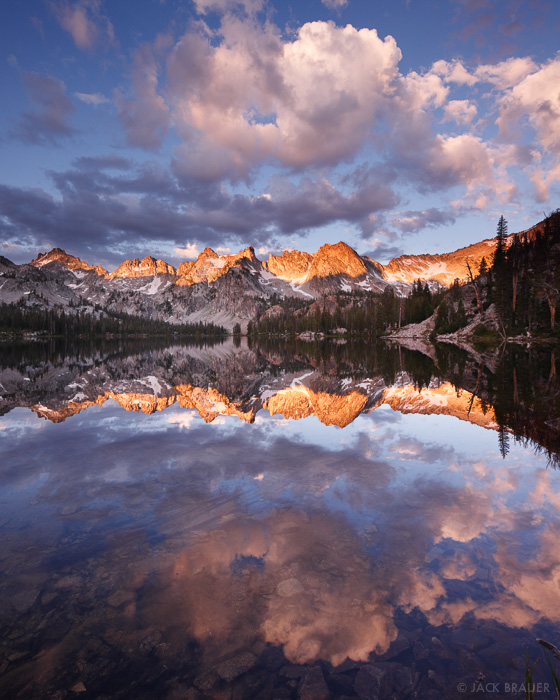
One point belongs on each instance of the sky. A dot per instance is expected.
(161, 127)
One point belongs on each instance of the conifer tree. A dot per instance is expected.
(499, 268)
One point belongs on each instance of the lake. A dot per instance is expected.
(277, 520)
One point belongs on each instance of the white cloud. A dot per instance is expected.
(537, 98)
(424, 91)
(453, 72)
(335, 4)
(191, 250)
(506, 74)
(460, 111)
(94, 99)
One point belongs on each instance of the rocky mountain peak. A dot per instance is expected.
(147, 267)
(292, 265)
(69, 261)
(248, 254)
(208, 253)
(209, 266)
(337, 259)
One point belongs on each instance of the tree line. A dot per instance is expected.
(56, 322)
(364, 314)
(524, 278)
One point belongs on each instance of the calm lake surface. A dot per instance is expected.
(277, 521)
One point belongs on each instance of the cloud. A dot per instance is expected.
(302, 138)
(460, 111)
(242, 97)
(49, 121)
(535, 96)
(114, 203)
(191, 251)
(422, 91)
(413, 221)
(94, 99)
(335, 4)
(226, 6)
(145, 117)
(85, 22)
(506, 74)
(38, 24)
(453, 72)
(253, 97)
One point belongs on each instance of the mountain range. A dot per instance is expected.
(223, 289)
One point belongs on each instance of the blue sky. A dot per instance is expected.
(163, 126)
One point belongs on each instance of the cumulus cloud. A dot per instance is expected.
(422, 91)
(85, 22)
(301, 102)
(49, 121)
(242, 96)
(453, 72)
(460, 111)
(536, 96)
(506, 74)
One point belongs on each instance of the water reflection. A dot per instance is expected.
(148, 553)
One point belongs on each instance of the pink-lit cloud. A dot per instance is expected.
(85, 22)
(145, 114)
(460, 111)
(302, 102)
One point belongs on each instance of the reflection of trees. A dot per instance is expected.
(351, 359)
(521, 385)
(503, 441)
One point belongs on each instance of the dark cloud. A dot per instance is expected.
(383, 253)
(108, 203)
(102, 162)
(49, 121)
(413, 221)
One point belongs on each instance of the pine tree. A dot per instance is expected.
(499, 268)
(501, 235)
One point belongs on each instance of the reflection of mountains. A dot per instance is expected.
(229, 381)
(335, 383)
(293, 402)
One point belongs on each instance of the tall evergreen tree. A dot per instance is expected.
(499, 268)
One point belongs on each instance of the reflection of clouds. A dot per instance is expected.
(183, 420)
(299, 580)
(458, 566)
(268, 535)
(410, 448)
(545, 490)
